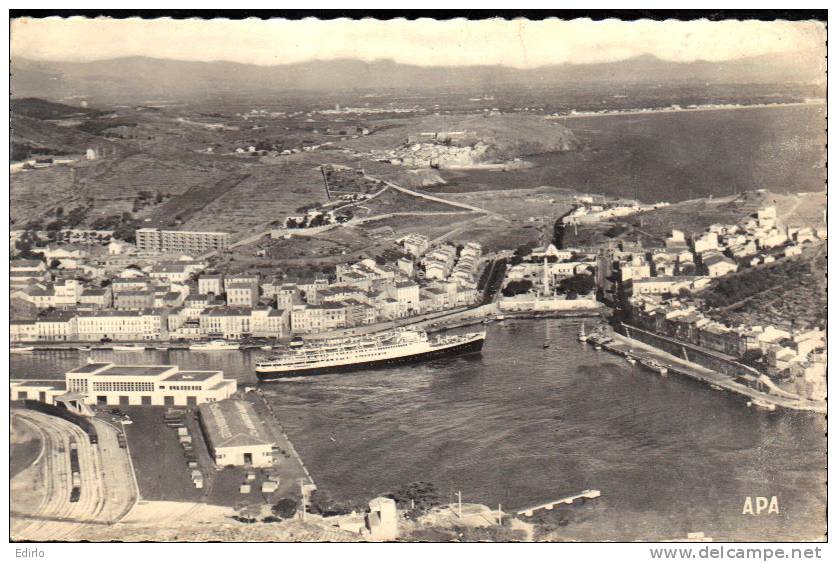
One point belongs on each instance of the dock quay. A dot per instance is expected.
(585, 495)
(625, 346)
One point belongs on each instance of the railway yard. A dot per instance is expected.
(42, 496)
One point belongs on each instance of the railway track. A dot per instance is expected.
(103, 499)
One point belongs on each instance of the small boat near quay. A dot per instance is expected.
(761, 404)
(654, 365)
(85, 348)
(128, 347)
(21, 349)
(215, 345)
(582, 336)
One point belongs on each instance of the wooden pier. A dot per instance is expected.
(586, 494)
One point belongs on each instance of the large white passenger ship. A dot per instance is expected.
(375, 350)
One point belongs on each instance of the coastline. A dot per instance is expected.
(687, 109)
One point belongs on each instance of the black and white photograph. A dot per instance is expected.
(484, 277)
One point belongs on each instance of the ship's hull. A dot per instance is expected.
(473, 346)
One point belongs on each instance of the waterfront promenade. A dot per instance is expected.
(623, 345)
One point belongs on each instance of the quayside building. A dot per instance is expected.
(235, 434)
(108, 384)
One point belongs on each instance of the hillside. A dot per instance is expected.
(139, 78)
(38, 108)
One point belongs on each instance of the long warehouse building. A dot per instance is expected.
(235, 434)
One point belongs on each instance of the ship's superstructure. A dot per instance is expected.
(388, 348)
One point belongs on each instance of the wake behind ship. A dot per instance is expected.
(375, 350)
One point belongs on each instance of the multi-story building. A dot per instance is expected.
(30, 266)
(147, 385)
(211, 283)
(287, 295)
(96, 298)
(57, 326)
(231, 322)
(415, 244)
(268, 322)
(133, 300)
(307, 319)
(406, 293)
(181, 241)
(23, 330)
(121, 325)
(171, 273)
(242, 293)
(130, 284)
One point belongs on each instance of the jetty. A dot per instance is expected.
(585, 495)
(629, 347)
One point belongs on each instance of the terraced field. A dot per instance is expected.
(267, 194)
(34, 192)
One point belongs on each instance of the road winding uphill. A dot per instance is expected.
(105, 479)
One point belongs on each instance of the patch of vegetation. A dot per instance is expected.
(417, 497)
(517, 288)
(730, 289)
(577, 284)
(124, 226)
(285, 508)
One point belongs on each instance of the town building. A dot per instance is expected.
(96, 298)
(415, 244)
(718, 265)
(307, 319)
(242, 293)
(211, 283)
(120, 325)
(133, 300)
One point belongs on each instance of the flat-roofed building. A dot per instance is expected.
(181, 241)
(41, 390)
(235, 434)
(147, 385)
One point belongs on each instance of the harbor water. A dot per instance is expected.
(522, 424)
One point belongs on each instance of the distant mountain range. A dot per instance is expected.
(140, 78)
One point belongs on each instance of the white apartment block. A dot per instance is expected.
(181, 241)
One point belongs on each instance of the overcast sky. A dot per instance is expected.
(516, 43)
